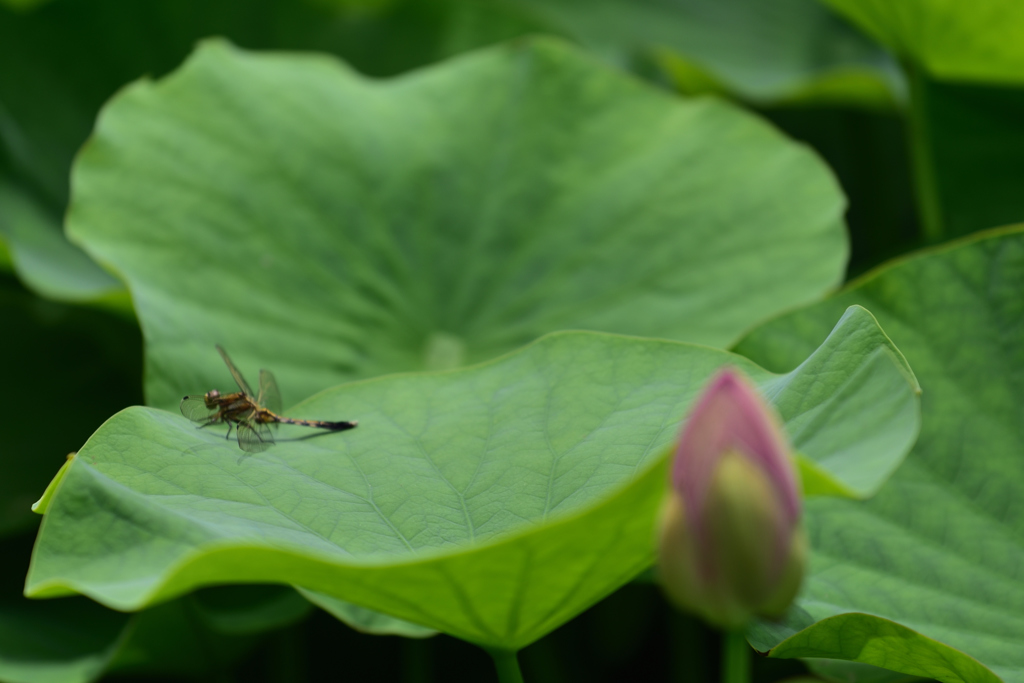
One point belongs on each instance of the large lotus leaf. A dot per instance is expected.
(492, 503)
(293, 211)
(928, 577)
(767, 52)
(977, 41)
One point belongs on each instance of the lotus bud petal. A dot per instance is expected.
(731, 546)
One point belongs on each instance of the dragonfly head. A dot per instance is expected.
(211, 398)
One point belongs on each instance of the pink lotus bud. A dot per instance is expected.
(731, 545)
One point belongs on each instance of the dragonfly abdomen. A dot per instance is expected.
(266, 416)
(322, 424)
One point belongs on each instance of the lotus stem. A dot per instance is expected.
(507, 665)
(735, 658)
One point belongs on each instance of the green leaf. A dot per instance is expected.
(841, 671)
(514, 494)
(814, 481)
(45, 261)
(366, 620)
(54, 641)
(347, 228)
(966, 67)
(51, 86)
(784, 51)
(244, 610)
(60, 62)
(788, 50)
(171, 640)
(978, 41)
(43, 504)
(873, 639)
(820, 416)
(928, 576)
(50, 642)
(74, 640)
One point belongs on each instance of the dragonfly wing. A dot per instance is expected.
(270, 395)
(254, 437)
(239, 380)
(195, 409)
(263, 430)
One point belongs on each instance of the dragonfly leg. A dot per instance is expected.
(209, 420)
(230, 425)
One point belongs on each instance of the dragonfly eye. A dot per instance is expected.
(213, 394)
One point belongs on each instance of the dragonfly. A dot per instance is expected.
(250, 414)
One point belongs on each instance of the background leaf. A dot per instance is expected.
(45, 261)
(48, 644)
(939, 550)
(172, 640)
(60, 62)
(785, 51)
(86, 357)
(45, 642)
(349, 228)
(966, 69)
(492, 503)
(788, 52)
(245, 610)
(366, 620)
(971, 141)
(842, 671)
(981, 41)
(76, 640)
(867, 638)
